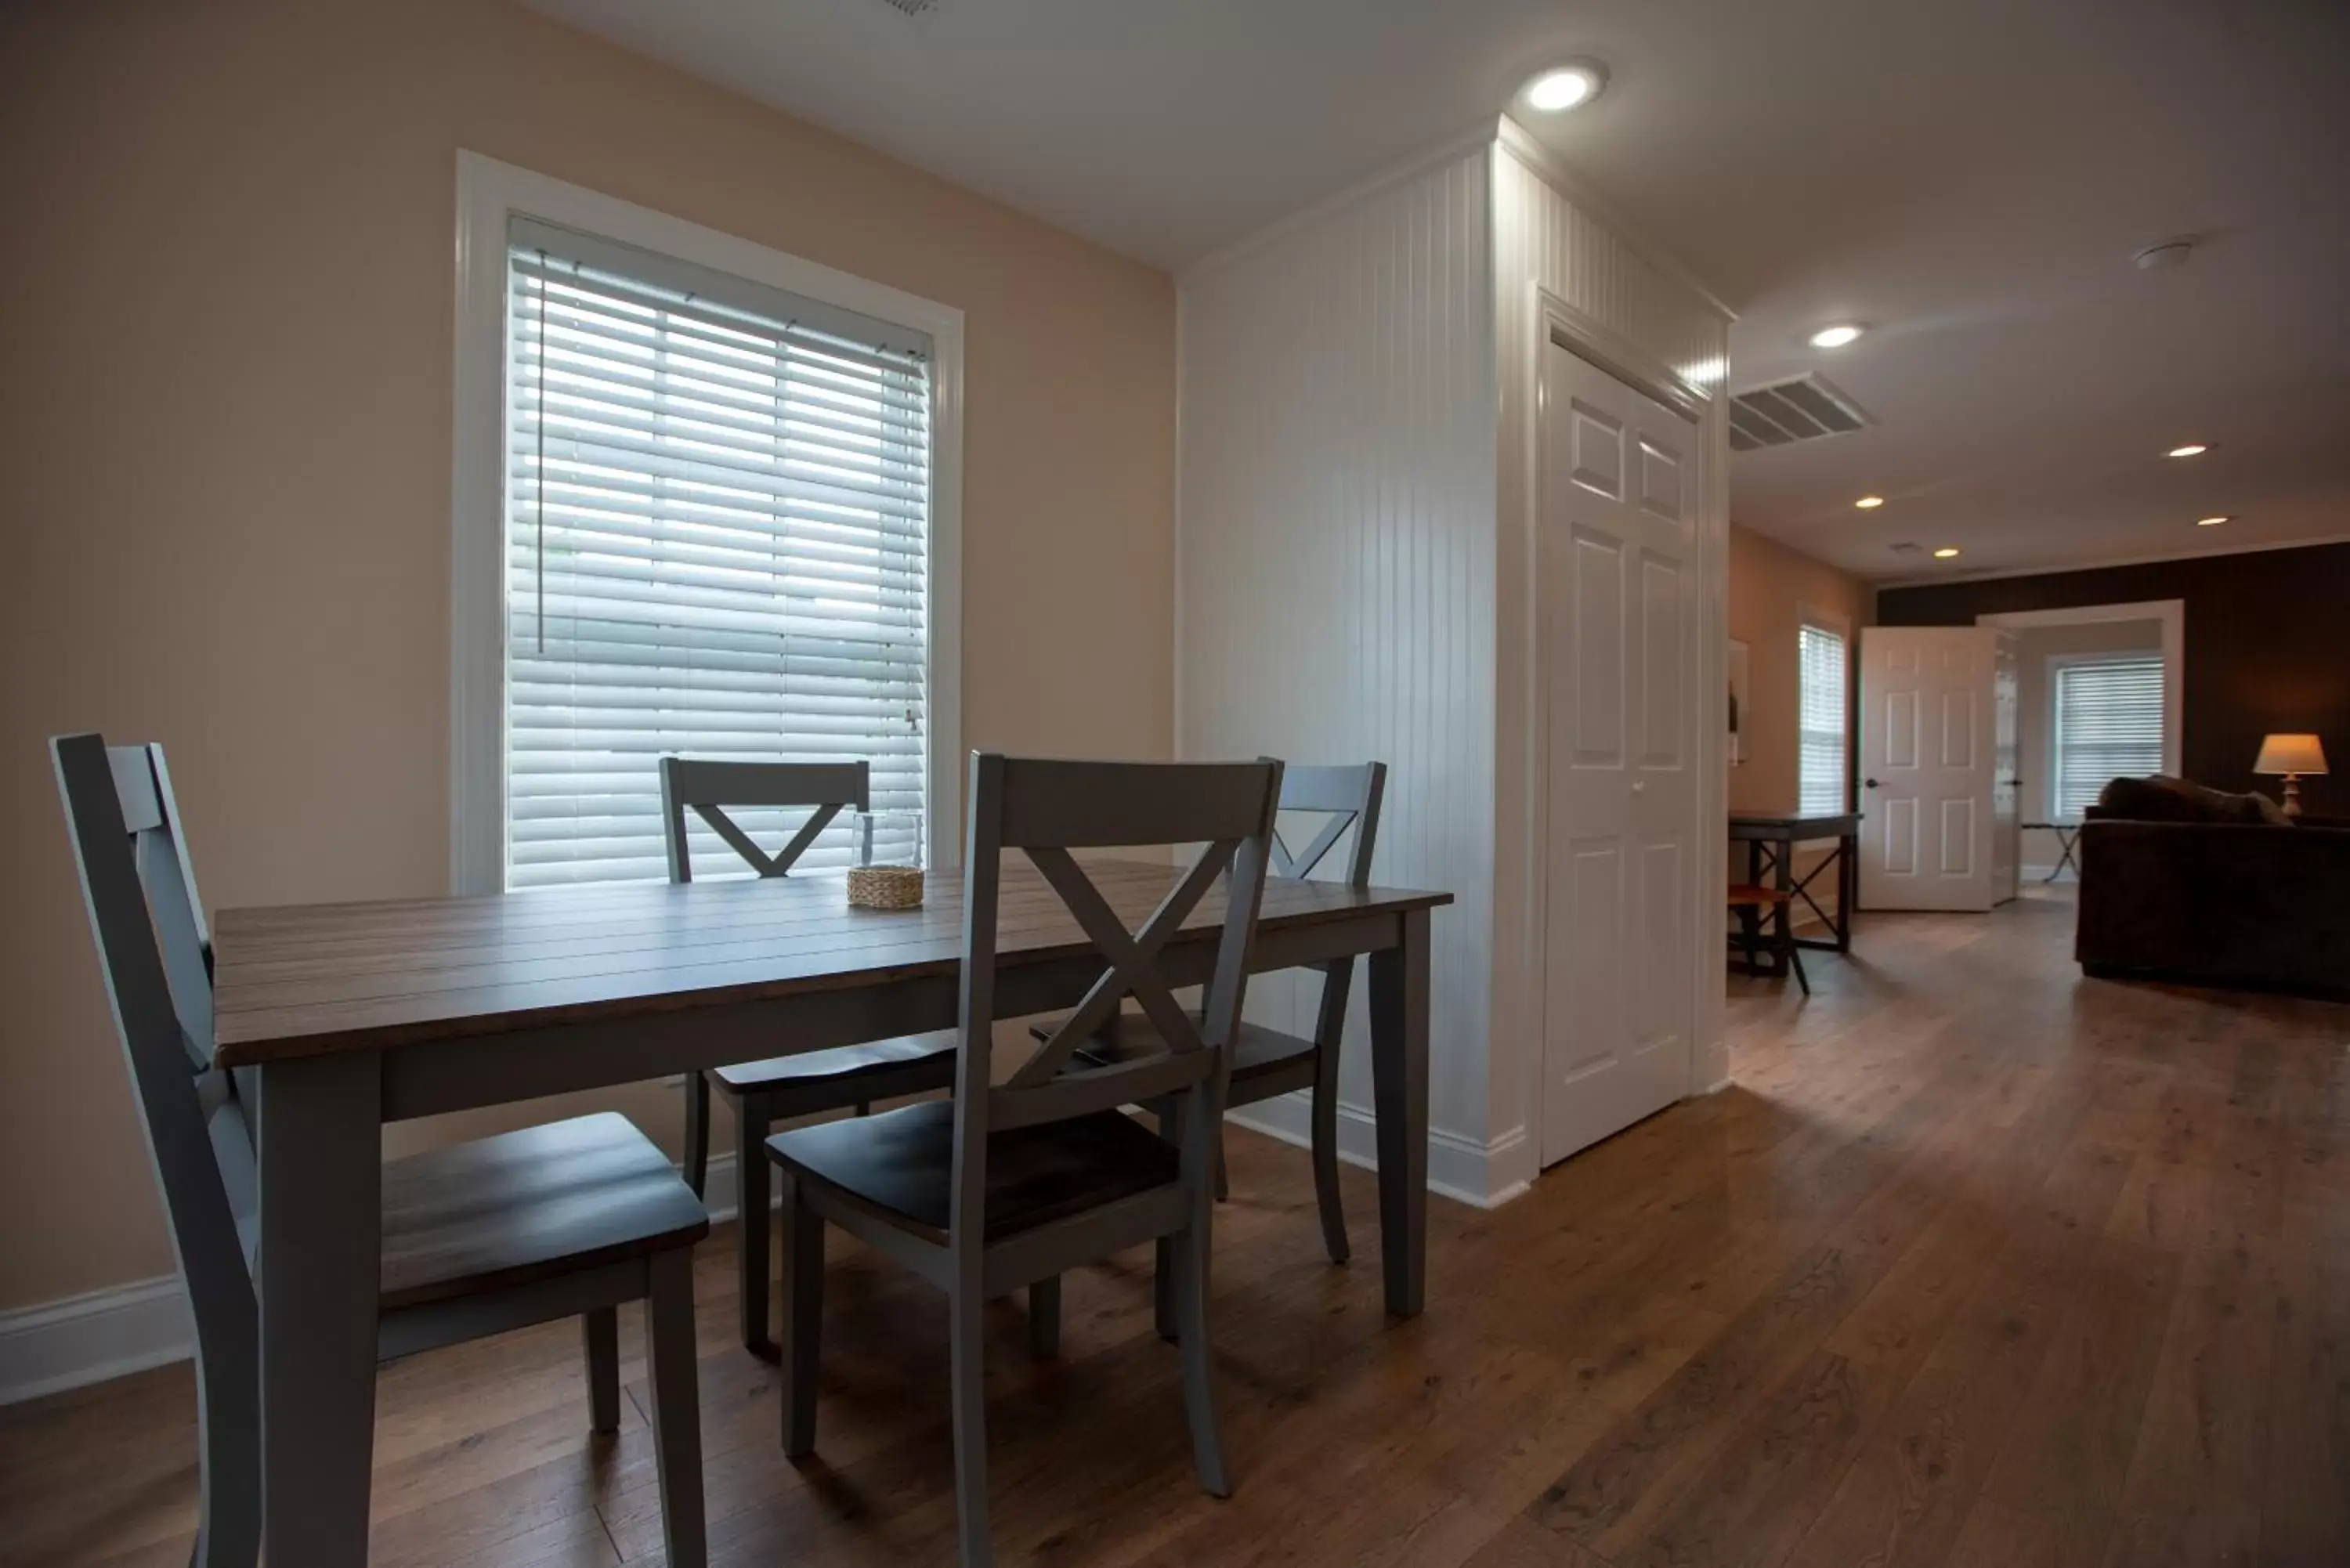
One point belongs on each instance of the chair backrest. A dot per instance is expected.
(146, 919)
(1047, 809)
(709, 788)
(1346, 797)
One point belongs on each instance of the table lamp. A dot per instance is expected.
(2291, 755)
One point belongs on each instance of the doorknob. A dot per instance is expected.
(1639, 784)
(1870, 783)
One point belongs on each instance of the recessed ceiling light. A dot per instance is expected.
(1869, 503)
(1837, 337)
(2209, 521)
(1946, 551)
(1566, 87)
(2192, 448)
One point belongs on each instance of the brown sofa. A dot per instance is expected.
(2184, 884)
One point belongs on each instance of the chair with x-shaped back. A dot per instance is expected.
(571, 1219)
(1008, 1185)
(1266, 1061)
(811, 1083)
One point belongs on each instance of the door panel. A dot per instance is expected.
(1959, 729)
(1958, 838)
(1598, 643)
(1928, 834)
(1617, 632)
(1900, 729)
(1664, 708)
(1901, 837)
(1663, 989)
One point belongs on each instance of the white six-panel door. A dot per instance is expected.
(1618, 493)
(1927, 755)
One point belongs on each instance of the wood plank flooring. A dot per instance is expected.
(1979, 1263)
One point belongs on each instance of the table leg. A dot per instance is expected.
(321, 1200)
(1783, 915)
(1847, 888)
(1398, 1000)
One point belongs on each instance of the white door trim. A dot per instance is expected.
(2171, 613)
(1555, 321)
(488, 193)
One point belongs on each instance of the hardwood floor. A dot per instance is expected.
(1979, 1263)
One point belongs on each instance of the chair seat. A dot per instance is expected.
(1130, 1036)
(1747, 893)
(529, 1205)
(901, 1164)
(844, 1066)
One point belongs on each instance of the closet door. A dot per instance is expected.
(1618, 611)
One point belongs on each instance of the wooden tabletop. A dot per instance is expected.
(1825, 823)
(308, 980)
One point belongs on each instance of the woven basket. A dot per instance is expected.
(886, 886)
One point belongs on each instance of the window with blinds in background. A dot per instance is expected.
(2108, 725)
(717, 516)
(1820, 681)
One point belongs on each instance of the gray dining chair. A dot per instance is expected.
(813, 1083)
(1267, 1061)
(1008, 1185)
(571, 1219)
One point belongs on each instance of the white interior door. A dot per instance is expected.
(1927, 759)
(2006, 787)
(1618, 490)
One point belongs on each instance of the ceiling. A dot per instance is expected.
(1970, 178)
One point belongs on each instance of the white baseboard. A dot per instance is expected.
(112, 1332)
(62, 1344)
(84, 1339)
(1459, 1168)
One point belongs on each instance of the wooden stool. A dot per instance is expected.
(1750, 901)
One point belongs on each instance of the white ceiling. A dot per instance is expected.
(1970, 177)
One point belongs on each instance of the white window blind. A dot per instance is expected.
(1821, 700)
(717, 511)
(2108, 725)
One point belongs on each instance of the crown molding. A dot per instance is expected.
(2101, 563)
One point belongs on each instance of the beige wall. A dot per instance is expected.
(1770, 586)
(226, 394)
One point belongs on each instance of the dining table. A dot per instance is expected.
(344, 1017)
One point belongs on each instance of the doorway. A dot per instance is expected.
(2092, 680)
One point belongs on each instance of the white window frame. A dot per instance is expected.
(489, 195)
(2055, 738)
(1839, 628)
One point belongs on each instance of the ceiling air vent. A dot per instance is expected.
(1785, 412)
(913, 7)
(1908, 547)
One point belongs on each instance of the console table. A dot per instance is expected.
(1771, 838)
(2068, 837)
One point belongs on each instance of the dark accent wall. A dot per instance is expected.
(2268, 648)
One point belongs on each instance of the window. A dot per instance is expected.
(717, 507)
(2108, 725)
(1820, 680)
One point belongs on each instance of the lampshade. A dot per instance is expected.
(2291, 754)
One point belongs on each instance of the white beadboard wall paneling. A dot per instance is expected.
(1335, 562)
(1547, 243)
